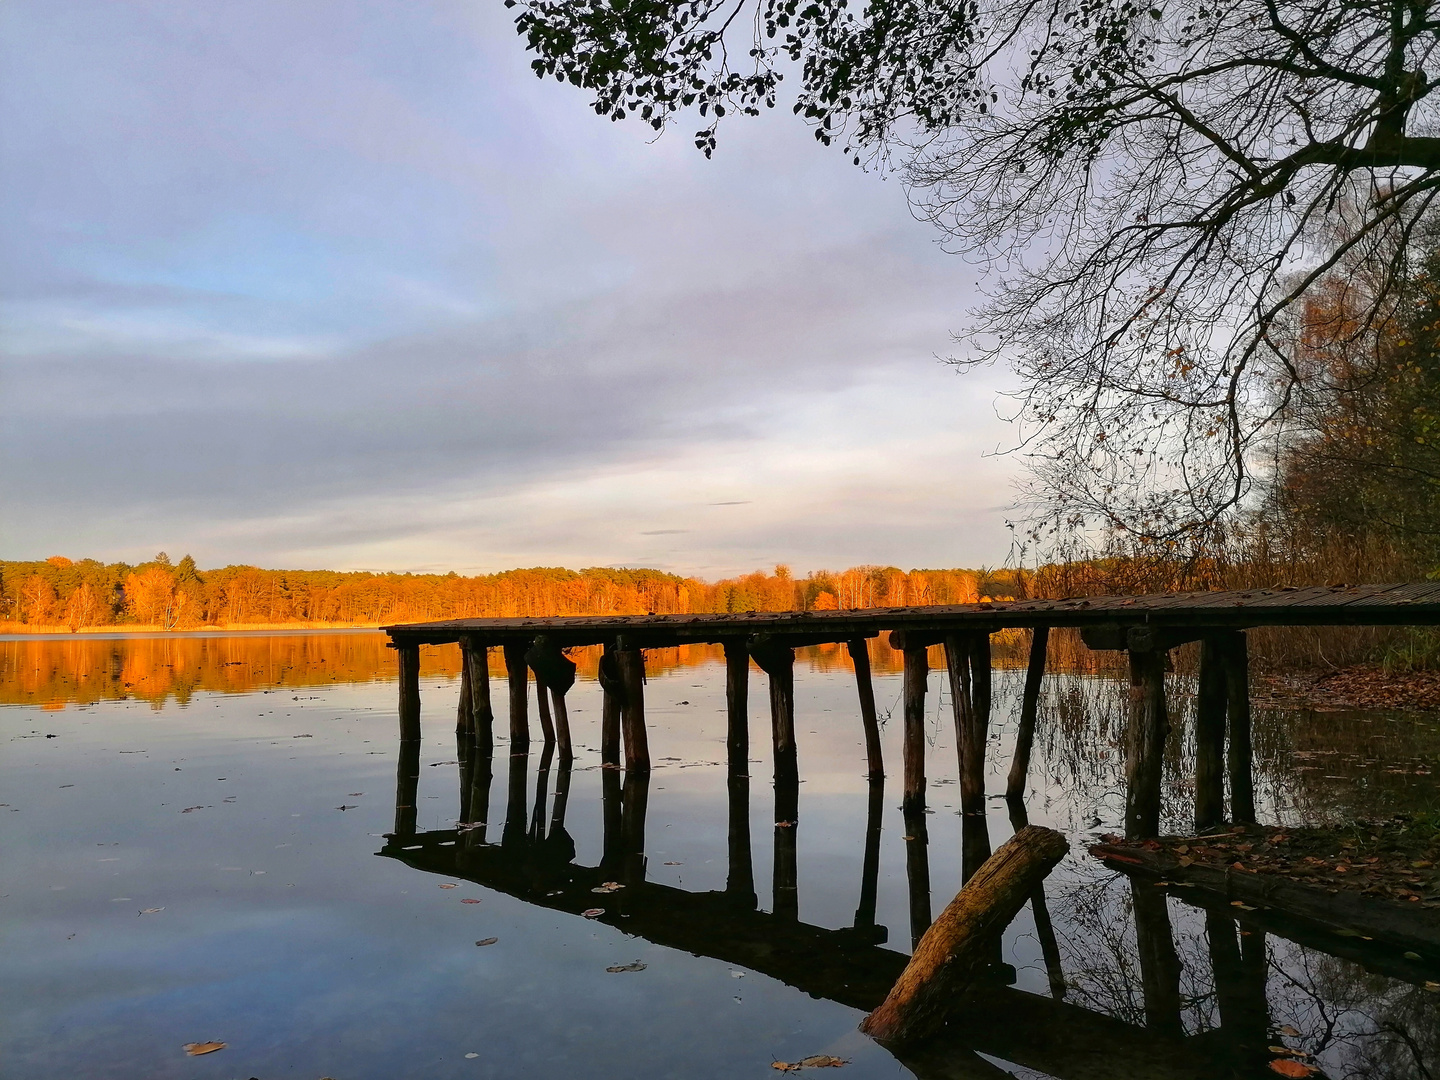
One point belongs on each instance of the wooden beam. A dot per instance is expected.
(917, 670)
(737, 706)
(518, 674)
(1210, 737)
(859, 650)
(611, 707)
(1237, 687)
(1145, 744)
(632, 711)
(1029, 709)
(477, 659)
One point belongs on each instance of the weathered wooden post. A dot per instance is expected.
(407, 776)
(477, 660)
(859, 650)
(1159, 963)
(1145, 743)
(785, 878)
(917, 867)
(554, 675)
(635, 800)
(612, 817)
(1210, 707)
(917, 670)
(870, 867)
(465, 753)
(518, 675)
(1044, 928)
(778, 662)
(542, 708)
(465, 714)
(562, 795)
(740, 880)
(958, 946)
(610, 708)
(737, 704)
(1237, 682)
(542, 788)
(1029, 709)
(632, 710)
(513, 833)
(967, 662)
(482, 774)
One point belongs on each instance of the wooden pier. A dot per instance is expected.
(1145, 627)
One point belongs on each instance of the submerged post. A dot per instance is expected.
(1145, 743)
(859, 650)
(519, 678)
(1237, 682)
(632, 710)
(737, 704)
(1210, 736)
(1029, 709)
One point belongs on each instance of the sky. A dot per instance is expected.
(345, 285)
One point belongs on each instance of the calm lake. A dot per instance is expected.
(196, 837)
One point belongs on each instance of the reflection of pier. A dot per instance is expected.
(531, 857)
(1146, 627)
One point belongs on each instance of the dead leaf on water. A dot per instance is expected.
(196, 1049)
(448, 885)
(593, 913)
(487, 941)
(1286, 1029)
(1291, 1067)
(815, 1061)
(469, 900)
(152, 911)
(617, 968)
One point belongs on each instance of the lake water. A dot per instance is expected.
(196, 836)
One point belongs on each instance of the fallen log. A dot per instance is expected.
(1345, 914)
(955, 951)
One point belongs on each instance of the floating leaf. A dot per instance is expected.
(1291, 1067)
(487, 941)
(823, 1061)
(1286, 1029)
(196, 1049)
(469, 900)
(617, 968)
(152, 911)
(593, 912)
(448, 885)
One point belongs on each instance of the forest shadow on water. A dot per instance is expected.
(217, 839)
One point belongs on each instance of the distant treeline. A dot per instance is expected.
(60, 593)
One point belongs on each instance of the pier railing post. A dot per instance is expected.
(518, 675)
(1029, 709)
(1210, 708)
(859, 650)
(737, 705)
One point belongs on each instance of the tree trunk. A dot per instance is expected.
(957, 947)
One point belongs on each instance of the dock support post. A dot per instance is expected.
(917, 670)
(859, 651)
(1029, 708)
(554, 675)
(632, 711)
(562, 724)
(614, 694)
(519, 676)
(1210, 736)
(542, 708)
(634, 802)
(477, 660)
(737, 704)
(1145, 743)
(465, 714)
(870, 866)
(785, 877)
(1159, 962)
(917, 867)
(512, 834)
(1237, 682)
(778, 662)
(407, 771)
(740, 880)
(967, 660)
